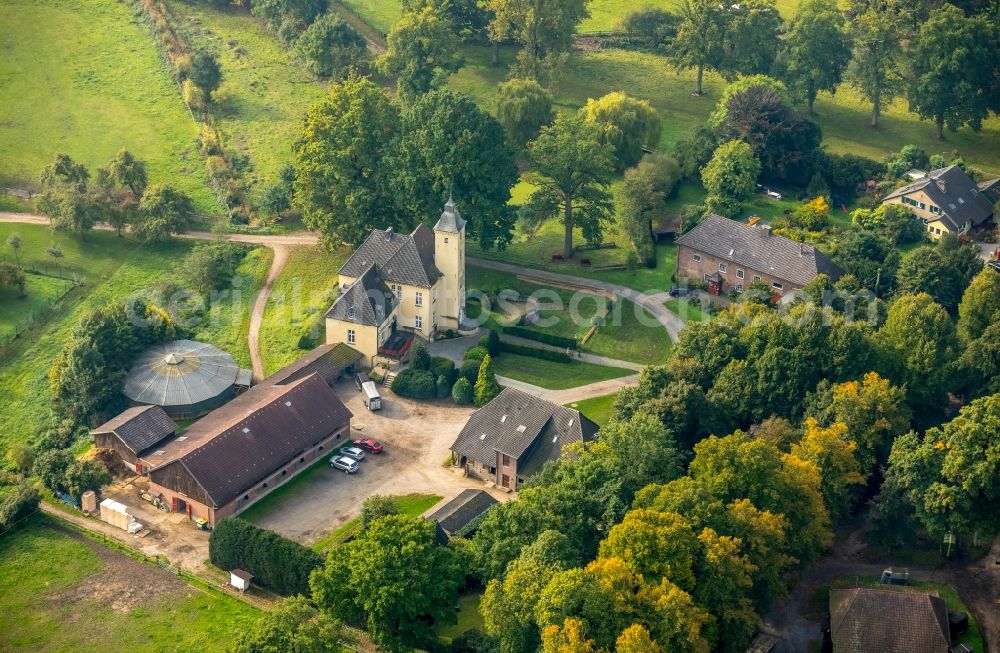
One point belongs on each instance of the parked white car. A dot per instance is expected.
(345, 464)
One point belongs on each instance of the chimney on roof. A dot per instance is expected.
(766, 228)
(941, 185)
(388, 234)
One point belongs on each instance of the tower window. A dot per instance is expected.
(419, 299)
(446, 239)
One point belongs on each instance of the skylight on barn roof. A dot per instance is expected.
(522, 428)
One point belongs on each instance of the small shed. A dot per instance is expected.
(240, 579)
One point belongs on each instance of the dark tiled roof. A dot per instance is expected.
(458, 512)
(883, 620)
(450, 220)
(755, 247)
(139, 427)
(366, 301)
(512, 423)
(954, 193)
(326, 360)
(991, 189)
(398, 258)
(286, 420)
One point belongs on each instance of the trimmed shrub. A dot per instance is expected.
(442, 387)
(493, 342)
(486, 383)
(648, 254)
(469, 371)
(536, 352)
(419, 358)
(441, 366)
(540, 336)
(277, 563)
(476, 354)
(415, 384)
(461, 392)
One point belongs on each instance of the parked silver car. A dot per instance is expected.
(355, 453)
(347, 465)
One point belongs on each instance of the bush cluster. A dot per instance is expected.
(541, 336)
(415, 384)
(277, 563)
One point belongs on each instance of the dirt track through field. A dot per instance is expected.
(260, 303)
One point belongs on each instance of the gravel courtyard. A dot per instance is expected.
(417, 437)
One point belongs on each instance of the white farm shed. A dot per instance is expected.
(240, 579)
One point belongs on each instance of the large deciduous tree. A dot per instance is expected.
(948, 476)
(572, 169)
(331, 47)
(421, 53)
(750, 47)
(543, 28)
(816, 50)
(626, 123)
(699, 39)
(954, 60)
(919, 346)
(730, 177)
(451, 147)
(523, 106)
(163, 211)
(395, 578)
(341, 176)
(296, 625)
(980, 305)
(205, 72)
(875, 69)
(65, 198)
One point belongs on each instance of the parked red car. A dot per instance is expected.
(369, 445)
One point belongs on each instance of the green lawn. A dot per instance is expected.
(226, 323)
(298, 299)
(468, 618)
(409, 505)
(265, 90)
(687, 310)
(552, 375)
(288, 491)
(41, 291)
(623, 337)
(599, 409)
(58, 593)
(85, 77)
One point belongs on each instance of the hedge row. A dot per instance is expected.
(277, 563)
(536, 352)
(540, 336)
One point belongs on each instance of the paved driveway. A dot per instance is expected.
(417, 436)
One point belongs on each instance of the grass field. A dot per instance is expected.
(408, 505)
(41, 291)
(62, 592)
(599, 409)
(298, 299)
(843, 117)
(114, 268)
(265, 90)
(687, 310)
(552, 375)
(605, 15)
(226, 323)
(85, 77)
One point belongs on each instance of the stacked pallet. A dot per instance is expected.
(115, 514)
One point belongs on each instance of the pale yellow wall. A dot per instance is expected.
(407, 310)
(366, 337)
(449, 257)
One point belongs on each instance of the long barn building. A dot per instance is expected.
(238, 453)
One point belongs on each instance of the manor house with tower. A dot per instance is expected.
(395, 285)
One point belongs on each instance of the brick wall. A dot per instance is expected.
(693, 269)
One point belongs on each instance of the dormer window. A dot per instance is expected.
(352, 313)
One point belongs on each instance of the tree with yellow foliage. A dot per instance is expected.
(830, 449)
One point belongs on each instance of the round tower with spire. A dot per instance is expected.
(449, 258)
